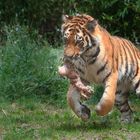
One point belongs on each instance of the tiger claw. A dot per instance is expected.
(84, 96)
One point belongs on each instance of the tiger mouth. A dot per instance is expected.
(70, 59)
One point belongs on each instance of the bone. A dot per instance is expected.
(76, 81)
(63, 70)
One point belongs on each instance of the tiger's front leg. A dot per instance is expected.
(108, 99)
(73, 98)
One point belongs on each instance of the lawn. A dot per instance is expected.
(32, 119)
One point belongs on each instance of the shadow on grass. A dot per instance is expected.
(82, 126)
(98, 124)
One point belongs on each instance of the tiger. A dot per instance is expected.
(100, 58)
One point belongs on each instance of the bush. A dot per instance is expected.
(27, 68)
(119, 17)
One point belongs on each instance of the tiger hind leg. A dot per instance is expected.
(136, 84)
(122, 104)
(137, 88)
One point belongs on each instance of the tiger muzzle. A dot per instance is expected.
(71, 51)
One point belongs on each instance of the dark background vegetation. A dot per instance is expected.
(30, 41)
(121, 17)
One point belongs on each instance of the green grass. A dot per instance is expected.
(29, 119)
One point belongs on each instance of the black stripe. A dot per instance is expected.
(71, 29)
(136, 61)
(113, 58)
(87, 40)
(121, 56)
(87, 48)
(127, 108)
(85, 18)
(77, 31)
(95, 54)
(137, 69)
(131, 53)
(80, 70)
(81, 44)
(65, 28)
(107, 76)
(117, 61)
(83, 58)
(118, 92)
(81, 23)
(92, 61)
(126, 61)
(84, 80)
(137, 84)
(68, 26)
(130, 50)
(80, 28)
(135, 49)
(120, 104)
(92, 40)
(74, 22)
(123, 103)
(128, 45)
(102, 68)
(112, 46)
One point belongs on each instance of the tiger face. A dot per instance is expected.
(78, 35)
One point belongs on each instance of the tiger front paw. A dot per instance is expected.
(84, 112)
(104, 107)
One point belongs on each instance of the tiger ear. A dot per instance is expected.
(65, 18)
(91, 25)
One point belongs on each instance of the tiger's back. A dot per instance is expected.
(101, 58)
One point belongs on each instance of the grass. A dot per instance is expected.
(33, 97)
(30, 118)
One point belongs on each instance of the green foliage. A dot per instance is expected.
(28, 68)
(121, 17)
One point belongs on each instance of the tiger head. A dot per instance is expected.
(78, 34)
